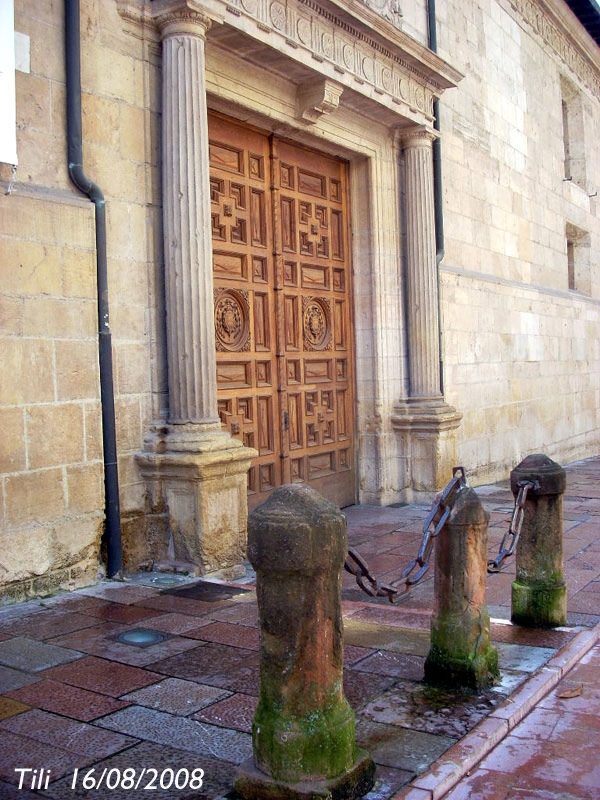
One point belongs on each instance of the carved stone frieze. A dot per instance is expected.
(539, 21)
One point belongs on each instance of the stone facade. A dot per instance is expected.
(519, 283)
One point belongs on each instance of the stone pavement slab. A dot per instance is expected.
(33, 656)
(192, 707)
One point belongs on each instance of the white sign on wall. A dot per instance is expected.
(8, 114)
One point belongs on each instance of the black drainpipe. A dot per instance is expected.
(88, 187)
(437, 187)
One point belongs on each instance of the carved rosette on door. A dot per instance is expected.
(282, 309)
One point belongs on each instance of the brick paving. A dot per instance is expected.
(73, 697)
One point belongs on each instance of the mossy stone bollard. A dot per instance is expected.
(303, 730)
(539, 592)
(460, 652)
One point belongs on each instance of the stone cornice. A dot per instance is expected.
(343, 40)
(564, 35)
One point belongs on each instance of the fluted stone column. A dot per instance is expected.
(426, 424)
(422, 288)
(193, 466)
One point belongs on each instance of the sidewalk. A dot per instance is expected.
(75, 697)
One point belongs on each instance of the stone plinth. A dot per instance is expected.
(539, 592)
(460, 652)
(303, 729)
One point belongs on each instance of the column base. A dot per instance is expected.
(428, 427)
(253, 784)
(461, 653)
(200, 475)
(539, 605)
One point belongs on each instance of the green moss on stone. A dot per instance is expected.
(319, 744)
(539, 604)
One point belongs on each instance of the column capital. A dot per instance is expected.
(174, 17)
(419, 136)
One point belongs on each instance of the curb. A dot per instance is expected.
(460, 759)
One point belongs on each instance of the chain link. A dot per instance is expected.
(514, 530)
(356, 565)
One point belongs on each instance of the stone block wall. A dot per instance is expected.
(521, 343)
(51, 474)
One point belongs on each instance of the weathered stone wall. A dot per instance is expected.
(522, 359)
(51, 453)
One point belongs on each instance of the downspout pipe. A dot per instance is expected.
(93, 191)
(437, 186)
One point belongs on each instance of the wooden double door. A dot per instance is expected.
(282, 309)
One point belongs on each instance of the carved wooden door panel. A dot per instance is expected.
(282, 309)
(311, 244)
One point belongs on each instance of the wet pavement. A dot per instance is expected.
(75, 697)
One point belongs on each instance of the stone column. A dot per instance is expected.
(539, 592)
(426, 424)
(461, 654)
(193, 466)
(303, 730)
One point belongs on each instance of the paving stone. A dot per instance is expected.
(588, 702)
(9, 791)
(176, 696)
(387, 782)
(241, 614)
(69, 701)
(68, 734)
(354, 654)
(100, 675)
(217, 781)
(105, 645)
(125, 614)
(10, 707)
(419, 707)
(572, 764)
(175, 623)
(180, 732)
(508, 682)
(360, 687)
(394, 616)
(205, 662)
(380, 637)
(244, 678)
(47, 624)
(14, 678)
(400, 748)
(398, 665)
(179, 605)
(120, 592)
(21, 752)
(73, 601)
(521, 657)
(229, 634)
(235, 712)
(32, 656)
(536, 637)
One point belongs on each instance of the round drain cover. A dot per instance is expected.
(141, 637)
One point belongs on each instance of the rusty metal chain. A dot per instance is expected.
(514, 530)
(356, 565)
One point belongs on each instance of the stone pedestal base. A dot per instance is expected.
(252, 784)
(428, 428)
(461, 654)
(202, 481)
(539, 606)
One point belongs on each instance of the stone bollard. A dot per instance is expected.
(460, 652)
(303, 730)
(539, 593)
